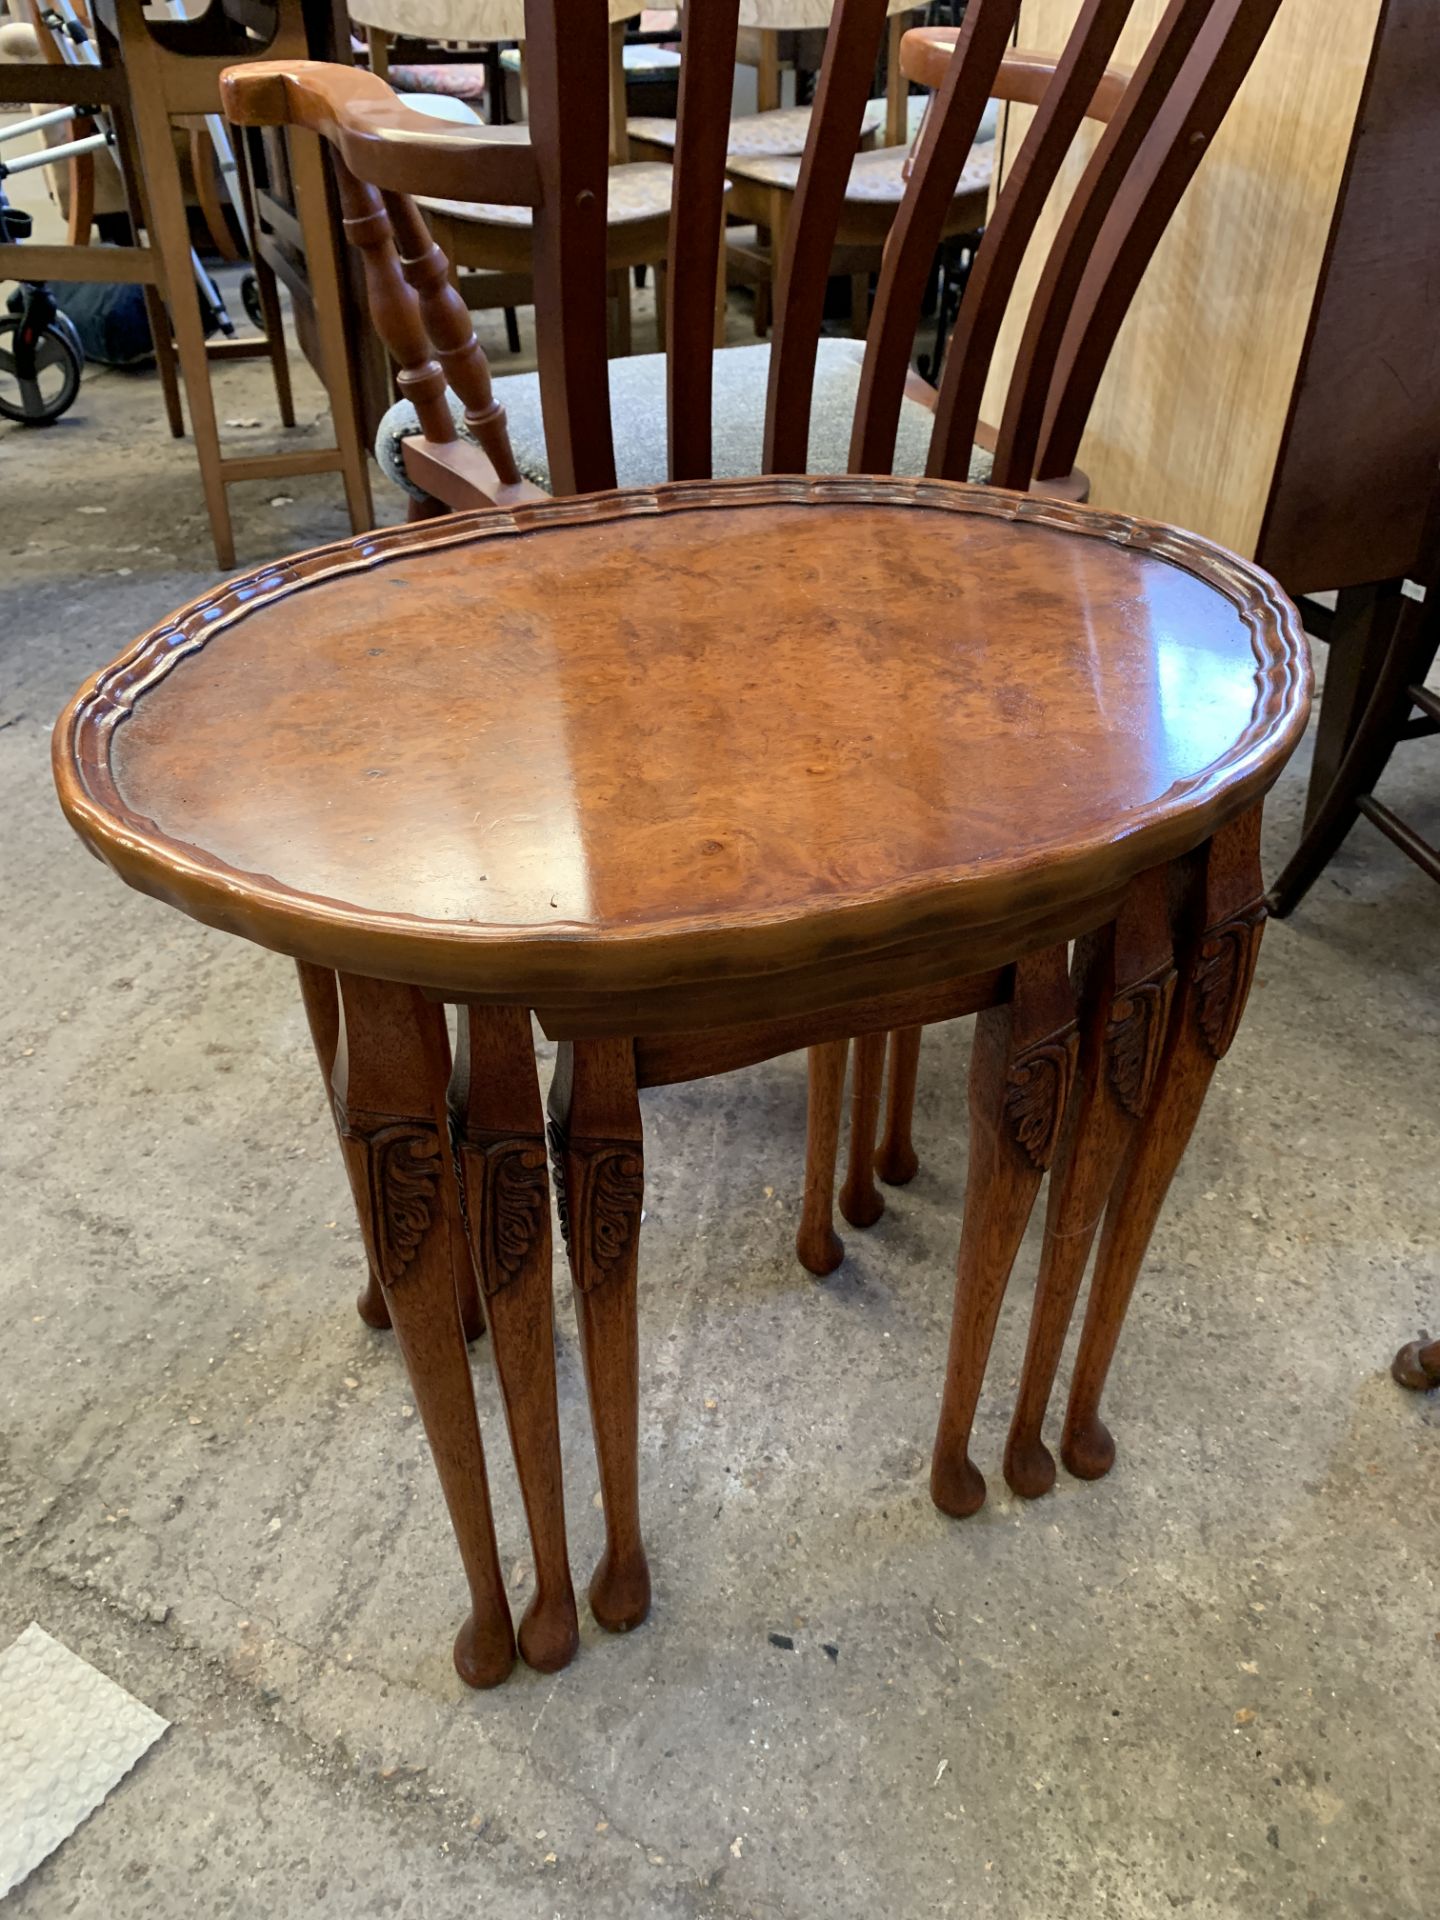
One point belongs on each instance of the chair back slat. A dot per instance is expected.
(1140, 109)
(570, 136)
(1063, 104)
(802, 267)
(697, 223)
(950, 129)
(1224, 53)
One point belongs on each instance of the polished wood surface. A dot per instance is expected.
(470, 774)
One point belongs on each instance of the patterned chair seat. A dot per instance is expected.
(637, 403)
(639, 190)
(753, 135)
(450, 82)
(875, 178)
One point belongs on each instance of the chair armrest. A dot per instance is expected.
(383, 143)
(925, 53)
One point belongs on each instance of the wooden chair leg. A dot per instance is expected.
(1122, 1033)
(265, 285)
(170, 237)
(1364, 624)
(498, 1131)
(165, 365)
(620, 340)
(598, 1152)
(859, 305)
(1417, 1365)
(1021, 1071)
(1226, 919)
(128, 161)
(320, 232)
(391, 1069)
(861, 1201)
(205, 171)
(896, 1161)
(817, 1245)
(1409, 655)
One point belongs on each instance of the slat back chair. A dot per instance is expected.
(1157, 123)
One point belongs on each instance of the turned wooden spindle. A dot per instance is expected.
(394, 305)
(447, 321)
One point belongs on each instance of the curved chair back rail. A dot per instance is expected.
(1158, 122)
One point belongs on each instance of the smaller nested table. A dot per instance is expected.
(699, 776)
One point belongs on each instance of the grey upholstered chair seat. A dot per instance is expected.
(637, 405)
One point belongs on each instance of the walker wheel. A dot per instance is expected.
(40, 371)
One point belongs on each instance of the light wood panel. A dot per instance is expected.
(1189, 418)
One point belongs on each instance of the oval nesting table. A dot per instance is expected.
(699, 776)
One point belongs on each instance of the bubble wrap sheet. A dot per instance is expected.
(67, 1736)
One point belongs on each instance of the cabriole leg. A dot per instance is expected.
(896, 1161)
(817, 1245)
(1226, 919)
(1122, 1034)
(1020, 1075)
(319, 991)
(600, 1176)
(861, 1201)
(391, 1068)
(321, 994)
(498, 1131)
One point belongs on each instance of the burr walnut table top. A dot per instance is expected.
(690, 738)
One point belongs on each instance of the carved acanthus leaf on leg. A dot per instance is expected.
(402, 1176)
(1224, 970)
(1036, 1090)
(503, 1194)
(1135, 1039)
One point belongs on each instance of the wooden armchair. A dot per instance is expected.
(582, 424)
(488, 243)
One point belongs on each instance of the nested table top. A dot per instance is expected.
(640, 739)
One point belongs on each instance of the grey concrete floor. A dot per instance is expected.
(1208, 1685)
